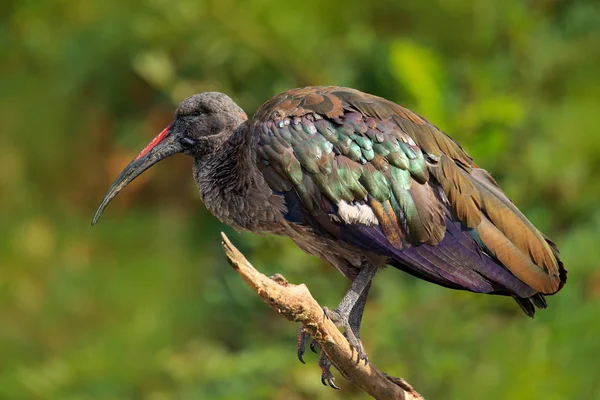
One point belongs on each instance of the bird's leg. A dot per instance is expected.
(355, 320)
(348, 314)
(350, 321)
(342, 317)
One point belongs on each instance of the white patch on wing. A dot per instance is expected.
(355, 214)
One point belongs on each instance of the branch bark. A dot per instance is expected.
(295, 303)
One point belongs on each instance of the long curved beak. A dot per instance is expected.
(164, 145)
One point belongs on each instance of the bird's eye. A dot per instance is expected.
(196, 113)
(187, 142)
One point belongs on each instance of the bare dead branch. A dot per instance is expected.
(296, 304)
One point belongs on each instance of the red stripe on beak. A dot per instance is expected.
(154, 142)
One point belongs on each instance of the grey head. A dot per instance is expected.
(201, 123)
(205, 118)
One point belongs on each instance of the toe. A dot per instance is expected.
(334, 316)
(356, 345)
(303, 338)
(313, 346)
(327, 377)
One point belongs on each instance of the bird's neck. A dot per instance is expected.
(231, 185)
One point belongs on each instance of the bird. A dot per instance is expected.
(362, 183)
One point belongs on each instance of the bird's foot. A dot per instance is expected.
(351, 334)
(304, 338)
(341, 320)
(327, 377)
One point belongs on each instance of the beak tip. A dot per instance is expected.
(96, 216)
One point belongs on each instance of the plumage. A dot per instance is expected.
(360, 182)
(405, 169)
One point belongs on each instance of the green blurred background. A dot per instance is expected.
(144, 306)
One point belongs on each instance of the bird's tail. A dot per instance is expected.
(529, 304)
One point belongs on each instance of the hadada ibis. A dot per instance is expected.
(361, 183)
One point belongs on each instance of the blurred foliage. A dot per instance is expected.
(144, 305)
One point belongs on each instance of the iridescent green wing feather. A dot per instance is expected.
(344, 147)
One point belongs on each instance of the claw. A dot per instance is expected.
(302, 340)
(313, 346)
(300, 353)
(329, 382)
(327, 377)
(356, 345)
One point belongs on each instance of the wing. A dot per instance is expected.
(390, 181)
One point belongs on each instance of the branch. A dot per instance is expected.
(296, 304)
